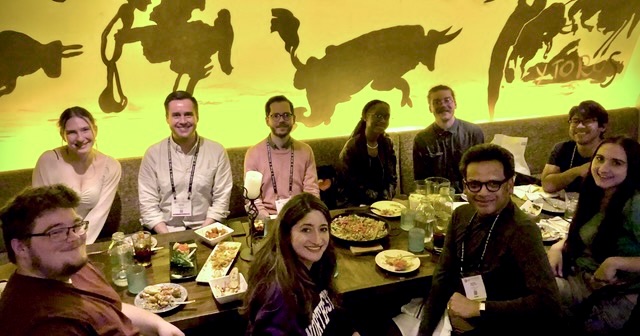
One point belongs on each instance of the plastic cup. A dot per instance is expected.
(136, 278)
(416, 240)
(407, 216)
(571, 204)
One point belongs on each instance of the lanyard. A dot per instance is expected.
(193, 168)
(486, 243)
(273, 176)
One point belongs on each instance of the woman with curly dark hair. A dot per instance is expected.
(598, 264)
(290, 281)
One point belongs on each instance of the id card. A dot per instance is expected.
(474, 288)
(180, 207)
(280, 203)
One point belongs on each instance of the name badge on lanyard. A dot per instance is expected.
(474, 288)
(181, 207)
(280, 203)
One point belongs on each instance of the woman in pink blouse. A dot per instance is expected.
(93, 175)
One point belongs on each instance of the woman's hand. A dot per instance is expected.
(555, 258)
(607, 271)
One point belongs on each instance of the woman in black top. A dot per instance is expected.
(368, 161)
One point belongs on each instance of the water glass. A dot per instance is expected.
(414, 200)
(407, 217)
(571, 204)
(136, 278)
(416, 240)
(142, 247)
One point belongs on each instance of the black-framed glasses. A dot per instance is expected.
(578, 121)
(492, 186)
(285, 116)
(61, 234)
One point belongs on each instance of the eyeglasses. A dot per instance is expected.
(577, 121)
(445, 100)
(285, 116)
(62, 234)
(492, 186)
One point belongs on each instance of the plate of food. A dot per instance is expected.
(550, 233)
(359, 227)
(214, 233)
(387, 208)
(219, 261)
(553, 205)
(397, 261)
(183, 263)
(161, 298)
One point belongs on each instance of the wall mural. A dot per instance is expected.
(532, 29)
(21, 55)
(379, 58)
(165, 41)
(120, 58)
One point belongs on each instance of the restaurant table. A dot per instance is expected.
(355, 274)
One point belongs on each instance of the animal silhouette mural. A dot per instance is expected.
(378, 58)
(187, 45)
(531, 31)
(21, 55)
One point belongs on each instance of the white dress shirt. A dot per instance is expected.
(211, 188)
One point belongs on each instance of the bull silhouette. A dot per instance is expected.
(20, 55)
(380, 58)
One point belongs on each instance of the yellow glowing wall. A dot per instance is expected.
(231, 106)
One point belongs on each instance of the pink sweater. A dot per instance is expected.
(305, 178)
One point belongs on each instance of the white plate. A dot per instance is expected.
(550, 233)
(208, 272)
(140, 302)
(3, 284)
(387, 208)
(154, 241)
(223, 282)
(202, 233)
(548, 207)
(381, 260)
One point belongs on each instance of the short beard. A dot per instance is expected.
(281, 136)
(66, 271)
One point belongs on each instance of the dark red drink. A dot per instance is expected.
(142, 255)
(438, 241)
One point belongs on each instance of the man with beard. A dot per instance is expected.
(288, 166)
(569, 160)
(438, 148)
(54, 290)
(185, 179)
(491, 276)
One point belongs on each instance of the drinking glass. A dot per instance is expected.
(142, 247)
(407, 217)
(416, 240)
(571, 204)
(136, 278)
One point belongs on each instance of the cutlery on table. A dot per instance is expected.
(550, 203)
(184, 302)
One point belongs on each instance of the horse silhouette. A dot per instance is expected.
(379, 58)
(20, 55)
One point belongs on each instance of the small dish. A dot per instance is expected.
(553, 205)
(219, 261)
(550, 233)
(383, 258)
(387, 208)
(214, 233)
(215, 284)
(183, 261)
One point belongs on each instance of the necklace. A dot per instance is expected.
(372, 147)
(572, 156)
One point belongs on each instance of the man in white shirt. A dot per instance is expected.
(184, 180)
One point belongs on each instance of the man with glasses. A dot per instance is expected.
(569, 160)
(184, 180)
(288, 166)
(438, 148)
(492, 275)
(54, 290)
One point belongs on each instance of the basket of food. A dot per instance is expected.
(359, 228)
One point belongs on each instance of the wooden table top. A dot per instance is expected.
(354, 273)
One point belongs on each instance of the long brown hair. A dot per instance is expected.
(604, 243)
(277, 267)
